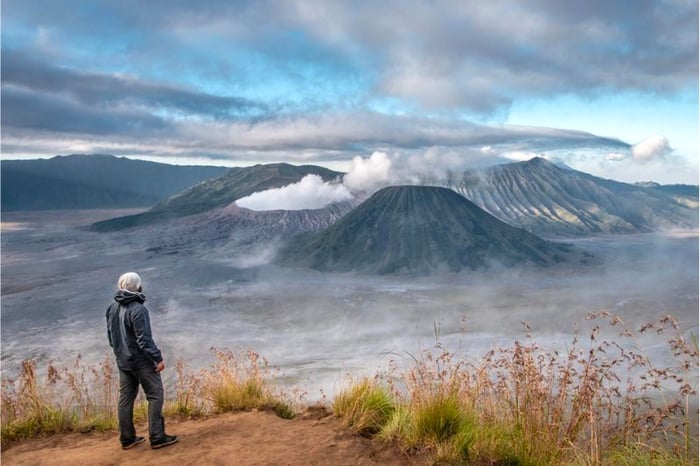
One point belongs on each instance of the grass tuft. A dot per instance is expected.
(239, 382)
(365, 407)
(438, 419)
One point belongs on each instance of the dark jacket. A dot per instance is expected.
(129, 332)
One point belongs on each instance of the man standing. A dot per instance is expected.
(139, 361)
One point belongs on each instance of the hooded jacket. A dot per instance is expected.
(129, 332)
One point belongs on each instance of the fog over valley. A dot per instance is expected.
(58, 278)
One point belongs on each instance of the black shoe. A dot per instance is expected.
(133, 443)
(164, 442)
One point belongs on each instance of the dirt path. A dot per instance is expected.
(253, 438)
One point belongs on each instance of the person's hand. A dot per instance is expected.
(160, 367)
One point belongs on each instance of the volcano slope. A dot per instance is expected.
(550, 200)
(420, 230)
(218, 193)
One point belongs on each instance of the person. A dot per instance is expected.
(139, 361)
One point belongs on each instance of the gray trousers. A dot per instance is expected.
(129, 381)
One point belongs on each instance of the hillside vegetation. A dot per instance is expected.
(600, 402)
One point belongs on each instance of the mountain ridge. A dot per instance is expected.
(551, 200)
(537, 195)
(238, 229)
(82, 181)
(219, 192)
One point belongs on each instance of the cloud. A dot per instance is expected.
(450, 54)
(352, 132)
(654, 146)
(367, 174)
(304, 80)
(519, 156)
(42, 97)
(26, 110)
(620, 165)
(615, 157)
(116, 92)
(311, 192)
(441, 55)
(312, 138)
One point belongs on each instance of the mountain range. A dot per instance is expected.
(94, 181)
(420, 229)
(537, 195)
(552, 200)
(469, 220)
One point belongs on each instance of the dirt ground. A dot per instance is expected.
(249, 438)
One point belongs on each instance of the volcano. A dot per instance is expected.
(420, 229)
(218, 193)
(552, 200)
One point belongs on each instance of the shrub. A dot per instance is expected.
(598, 402)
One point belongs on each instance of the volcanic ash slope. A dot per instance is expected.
(420, 230)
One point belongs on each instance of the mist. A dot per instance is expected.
(365, 175)
(58, 279)
(311, 192)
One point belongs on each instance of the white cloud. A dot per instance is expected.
(366, 174)
(311, 192)
(488, 150)
(520, 156)
(620, 166)
(615, 157)
(654, 146)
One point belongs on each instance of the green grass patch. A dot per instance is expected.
(365, 407)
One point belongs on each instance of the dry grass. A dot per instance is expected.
(63, 400)
(188, 401)
(600, 402)
(76, 398)
(239, 381)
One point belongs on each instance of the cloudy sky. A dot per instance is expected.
(609, 87)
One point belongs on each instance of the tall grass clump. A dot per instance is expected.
(365, 407)
(241, 381)
(432, 413)
(427, 414)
